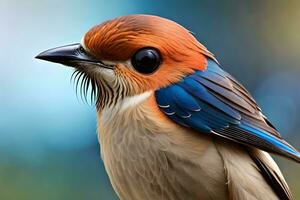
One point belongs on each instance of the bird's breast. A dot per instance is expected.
(149, 157)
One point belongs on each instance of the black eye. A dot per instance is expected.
(146, 60)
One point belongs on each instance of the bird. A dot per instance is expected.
(172, 124)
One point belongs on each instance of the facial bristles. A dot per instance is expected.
(85, 86)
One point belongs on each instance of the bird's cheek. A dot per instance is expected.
(101, 73)
(132, 80)
(139, 83)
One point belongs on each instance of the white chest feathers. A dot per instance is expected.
(128, 103)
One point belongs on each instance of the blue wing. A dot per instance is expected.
(213, 102)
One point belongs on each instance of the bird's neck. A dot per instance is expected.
(133, 117)
(128, 104)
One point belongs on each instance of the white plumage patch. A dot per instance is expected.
(128, 102)
(109, 113)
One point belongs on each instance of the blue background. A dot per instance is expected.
(48, 141)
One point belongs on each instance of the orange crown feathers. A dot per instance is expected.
(120, 38)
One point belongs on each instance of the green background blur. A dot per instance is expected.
(48, 142)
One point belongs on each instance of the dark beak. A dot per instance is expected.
(70, 55)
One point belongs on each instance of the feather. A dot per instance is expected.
(271, 173)
(212, 101)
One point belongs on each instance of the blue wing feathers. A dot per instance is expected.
(182, 98)
(160, 99)
(198, 124)
(209, 110)
(268, 137)
(234, 97)
(178, 120)
(212, 101)
(216, 78)
(200, 92)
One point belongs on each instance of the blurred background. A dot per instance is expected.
(48, 141)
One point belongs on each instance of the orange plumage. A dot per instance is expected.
(120, 38)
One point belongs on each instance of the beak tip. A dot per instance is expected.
(63, 54)
(41, 56)
(38, 57)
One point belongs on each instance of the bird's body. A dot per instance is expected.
(149, 157)
(172, 124)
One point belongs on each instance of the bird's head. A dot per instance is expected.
(131, 55)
